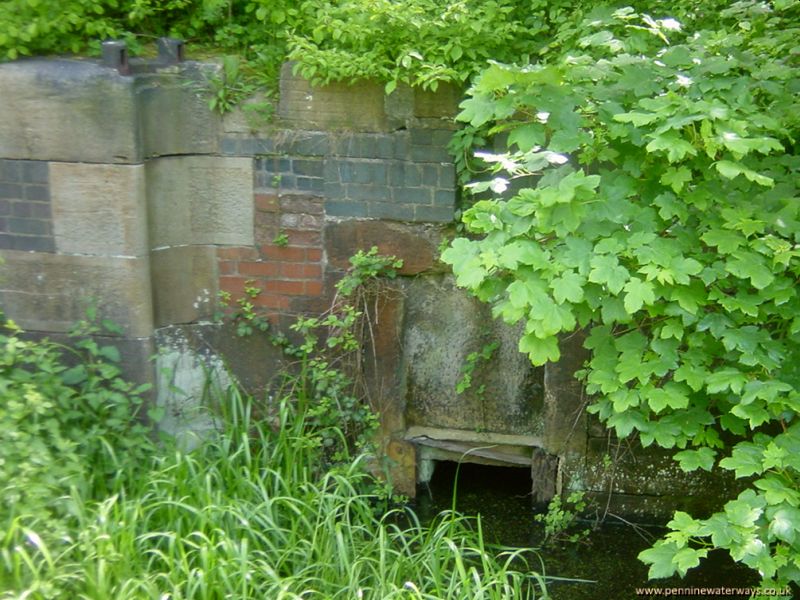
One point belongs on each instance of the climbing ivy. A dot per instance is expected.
(648, 193)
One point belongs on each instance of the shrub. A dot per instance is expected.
(652, 199)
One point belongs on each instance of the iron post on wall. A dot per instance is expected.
(115, 55)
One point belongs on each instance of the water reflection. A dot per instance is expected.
(607, 557)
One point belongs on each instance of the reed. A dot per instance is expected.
(252, 514)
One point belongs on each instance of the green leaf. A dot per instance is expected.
(637, 118)
(691, 460)
(638, 293)
(110, 353)
(568, 287)
(745, 460)
(731, 170)
(606, 270)
(540, 350)
(749, 265)
(778, 490)
(724, 240)
(676, 178)
(675, 147)
(75, 375)
(785, 524)
(660, 558)
(156, 413)
(670, 396)
(724, 379)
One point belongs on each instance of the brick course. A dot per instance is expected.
(25, 206)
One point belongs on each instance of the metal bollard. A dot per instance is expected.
(170, 50)
(115, 55)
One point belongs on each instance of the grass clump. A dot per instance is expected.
(255, 512)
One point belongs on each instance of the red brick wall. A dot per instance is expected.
(291, 274)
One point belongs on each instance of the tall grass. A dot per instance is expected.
(251, 514)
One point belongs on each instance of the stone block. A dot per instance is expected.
(310, 184)
(433, 214)
(352, 106)
(253, 361)
(416, 245)
(50, 292)
(346, 208)
(200, 200)
(99, 210)
(31, 243)
(67, 110)
(368, 192)
(430, 154)
(184, 281)
(564, 398)
(309, 168)
(391, 210)
(443, 325)
(402, 467)
(192, 128)
(439, 104)
(412, 195)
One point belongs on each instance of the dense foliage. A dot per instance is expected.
(651, 177)
(67, 421)
(421, 42)
(281, 503)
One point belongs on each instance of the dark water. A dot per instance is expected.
(606, 558)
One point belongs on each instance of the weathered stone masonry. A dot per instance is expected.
(127, 190)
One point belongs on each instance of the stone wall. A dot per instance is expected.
(125, 190)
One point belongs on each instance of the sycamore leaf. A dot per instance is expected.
(539, 350)
(749, 265)
(568, 287)
(637, 118)
(606, 270)
(660, 558)
(691, 460)
(676, 178)
(467, 265)
(730, 170)
(638, 293)
(785, 524)
(745, 460)
(676, 147)
(724, 240)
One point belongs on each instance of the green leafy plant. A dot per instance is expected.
(229, 86)
(651, 199)
(472, 362)
(281, 239)
(330, 382)
(243, 315)
(561, 519)
(68, 421)
(366, 267)
(250, 514)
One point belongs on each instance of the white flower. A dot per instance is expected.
(542, 116)
(683, 81)
(499, 185)
(659, 63)
(670, 24)
(554, 158)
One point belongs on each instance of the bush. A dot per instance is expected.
(652, 200)
(62, 427)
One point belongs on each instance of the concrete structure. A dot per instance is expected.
(125, 190)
